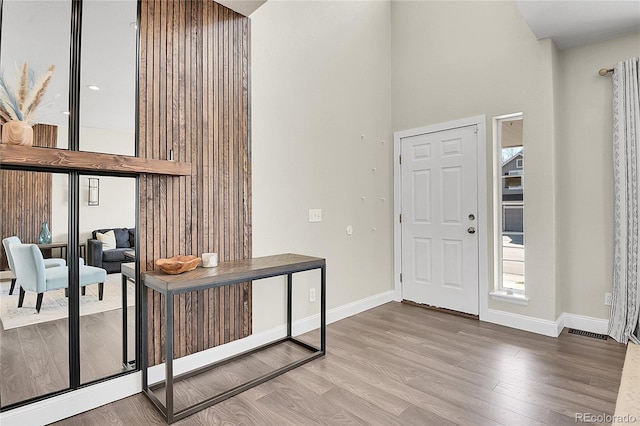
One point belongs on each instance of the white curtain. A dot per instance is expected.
(625, 304)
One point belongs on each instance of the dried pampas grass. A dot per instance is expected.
(22, 105)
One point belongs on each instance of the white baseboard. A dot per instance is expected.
(546, 327)
(301, 326)
(341, 312)
(76, 402)
(581, 322)
(72, 403)
(521, 322)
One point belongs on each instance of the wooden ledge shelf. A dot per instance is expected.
(53, 158)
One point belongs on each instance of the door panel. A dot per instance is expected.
(422, 250)
(422, 196)
(452, 195)
(439, 192)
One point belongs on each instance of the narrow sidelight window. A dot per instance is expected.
(509, 205)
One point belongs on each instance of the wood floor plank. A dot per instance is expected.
(369, 412)
(560, 405)
(417, 416)
(38, 362)
(404, 365)
(15, 384)
(304, 407)
(403, 377)
(34, 360)
(396, 383)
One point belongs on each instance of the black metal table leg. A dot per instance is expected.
(125, 351)
(168, 336)
(144, 353)
(239, 272)
(323, 310)
(289, 291)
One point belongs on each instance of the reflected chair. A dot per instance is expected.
(31, 274)
(48, 263)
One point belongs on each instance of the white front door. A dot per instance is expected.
(439, 219)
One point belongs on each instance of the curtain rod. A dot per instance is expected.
(605, 71)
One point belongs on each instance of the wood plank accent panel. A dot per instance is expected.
(194, 99)
(53, 158)
(23, 215)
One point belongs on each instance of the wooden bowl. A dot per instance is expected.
(178, 264)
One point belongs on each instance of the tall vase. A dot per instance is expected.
(17, 133)
(45, 234)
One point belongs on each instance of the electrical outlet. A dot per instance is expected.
(312, 295)
(607, 299)
(315, 215)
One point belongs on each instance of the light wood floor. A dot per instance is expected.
(34, 360)
(401, 364)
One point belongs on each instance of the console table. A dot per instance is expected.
(226, 273)
(46, 249)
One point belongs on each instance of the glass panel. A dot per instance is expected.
(512, 204)
(34, 346)
(107, 226)
(38, 33)
(108, 77)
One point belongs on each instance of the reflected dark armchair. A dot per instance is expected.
(111, 259)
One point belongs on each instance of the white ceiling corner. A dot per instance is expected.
(573, 23)
(243, 7)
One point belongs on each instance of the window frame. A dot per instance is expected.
(500, 292)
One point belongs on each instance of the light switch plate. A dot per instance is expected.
(315, 215)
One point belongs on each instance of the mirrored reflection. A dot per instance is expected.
(34, 338)
(108, 77)
(107, 227)
(37, 33)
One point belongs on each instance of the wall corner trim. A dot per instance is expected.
(521, 322)
(585, 323)
(546, 327)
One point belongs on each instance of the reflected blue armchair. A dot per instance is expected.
(48, 263)
(31, 274)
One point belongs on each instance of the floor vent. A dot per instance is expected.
(588, 334)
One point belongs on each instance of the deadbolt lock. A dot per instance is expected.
(472, 216)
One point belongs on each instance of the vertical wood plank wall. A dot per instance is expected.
(23, 215)
(194, 100)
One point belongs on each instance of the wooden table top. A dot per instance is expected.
(57, 245)
(230, 272)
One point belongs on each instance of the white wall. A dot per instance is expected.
(585, 174)
(117, 206)
(460, 59)
(320, 80)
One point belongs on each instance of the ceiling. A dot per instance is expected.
(573, 23)
(109, 40)
(243, 7)
(569, 23)
(108, 58)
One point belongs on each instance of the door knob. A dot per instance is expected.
(471, 230)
